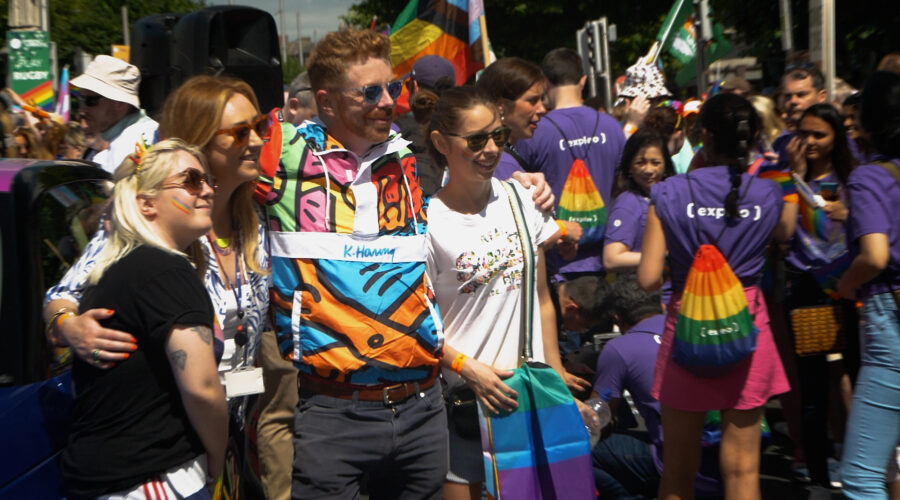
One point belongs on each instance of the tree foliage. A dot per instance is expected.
(95, 25)
(530, 28)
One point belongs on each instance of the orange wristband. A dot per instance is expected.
(458, 362)
(792, 198)
(562, 227)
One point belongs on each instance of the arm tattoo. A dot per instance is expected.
(178, 358)
(204, 332)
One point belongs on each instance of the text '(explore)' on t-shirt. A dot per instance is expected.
(744, 241)
(595, 138)
(475, 265)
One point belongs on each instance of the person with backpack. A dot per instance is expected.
(577, 148)
(873, 428)
(717, 351)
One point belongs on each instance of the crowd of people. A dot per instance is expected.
(357, 269)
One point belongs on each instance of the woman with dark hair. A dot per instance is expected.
(685, 212)
(817, 256)
(645, 162)
(517, 88)
(475, 262)
(873, 429)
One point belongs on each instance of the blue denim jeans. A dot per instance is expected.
(873, 429)
(402, 447)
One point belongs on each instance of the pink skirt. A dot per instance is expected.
(749, 385)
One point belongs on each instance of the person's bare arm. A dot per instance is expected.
(83, 334)
(653, 253)
(485, 381)
(617, 257)
(190, 353)
(787, 223)
(874, 255)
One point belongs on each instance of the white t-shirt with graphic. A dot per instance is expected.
(475, 265)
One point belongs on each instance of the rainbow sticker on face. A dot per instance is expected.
(181, 205)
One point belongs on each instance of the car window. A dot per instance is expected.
(69, 214)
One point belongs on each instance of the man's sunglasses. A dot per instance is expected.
(372, 93)
(477, 142)
(90, 100)
(241, 132)
(192, 183)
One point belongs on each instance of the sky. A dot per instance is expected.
(317, 17)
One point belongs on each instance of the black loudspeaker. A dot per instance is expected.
(152, 50)
(236, 41)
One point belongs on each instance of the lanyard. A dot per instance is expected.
(240, 337)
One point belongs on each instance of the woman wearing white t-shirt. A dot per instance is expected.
(475, 264)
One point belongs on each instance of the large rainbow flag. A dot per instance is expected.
(40, 96)
(447, 28)
(581, 202)
(714, 329)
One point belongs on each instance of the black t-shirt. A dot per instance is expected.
(130, 423)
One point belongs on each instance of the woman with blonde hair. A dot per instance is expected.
(28, 145)
(147, 423)
(771, 124)
(221, 115)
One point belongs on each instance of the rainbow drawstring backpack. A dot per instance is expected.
(714, 329)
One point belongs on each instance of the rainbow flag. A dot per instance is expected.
(828, 275)
(714, 329)
(782, 178)
(41, 96)
(62, 100)
(814, 221)
(542, 449)
(447, 28)
(581, 202)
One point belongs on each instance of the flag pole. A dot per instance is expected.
(662, 39)
(485, 44)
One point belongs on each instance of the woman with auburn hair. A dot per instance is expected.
(158, 420)
(220, 115)
(28, 145)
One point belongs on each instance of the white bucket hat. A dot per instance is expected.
(112, 78)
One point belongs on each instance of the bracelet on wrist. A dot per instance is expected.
(56, 320)
(458, 362)
(562, 228)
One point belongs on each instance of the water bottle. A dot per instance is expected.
(598, 418)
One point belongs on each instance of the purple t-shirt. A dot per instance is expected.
(874, 204)
(507, 166)
(744, 241)
(628, 363)
(627, 220)
(818, 240)
(594, 137)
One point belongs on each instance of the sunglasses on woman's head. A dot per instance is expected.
(241, 132)
(372, 93)
(476, 142)
(192, 182)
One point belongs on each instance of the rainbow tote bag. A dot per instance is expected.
(541, 450)
(714, 329)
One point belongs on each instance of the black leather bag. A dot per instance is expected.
(462, 411)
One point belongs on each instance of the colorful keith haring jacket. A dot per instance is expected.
(347, 234)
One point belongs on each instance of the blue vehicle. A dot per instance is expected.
(48, 212)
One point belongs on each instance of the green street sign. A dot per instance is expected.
(29, 66)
